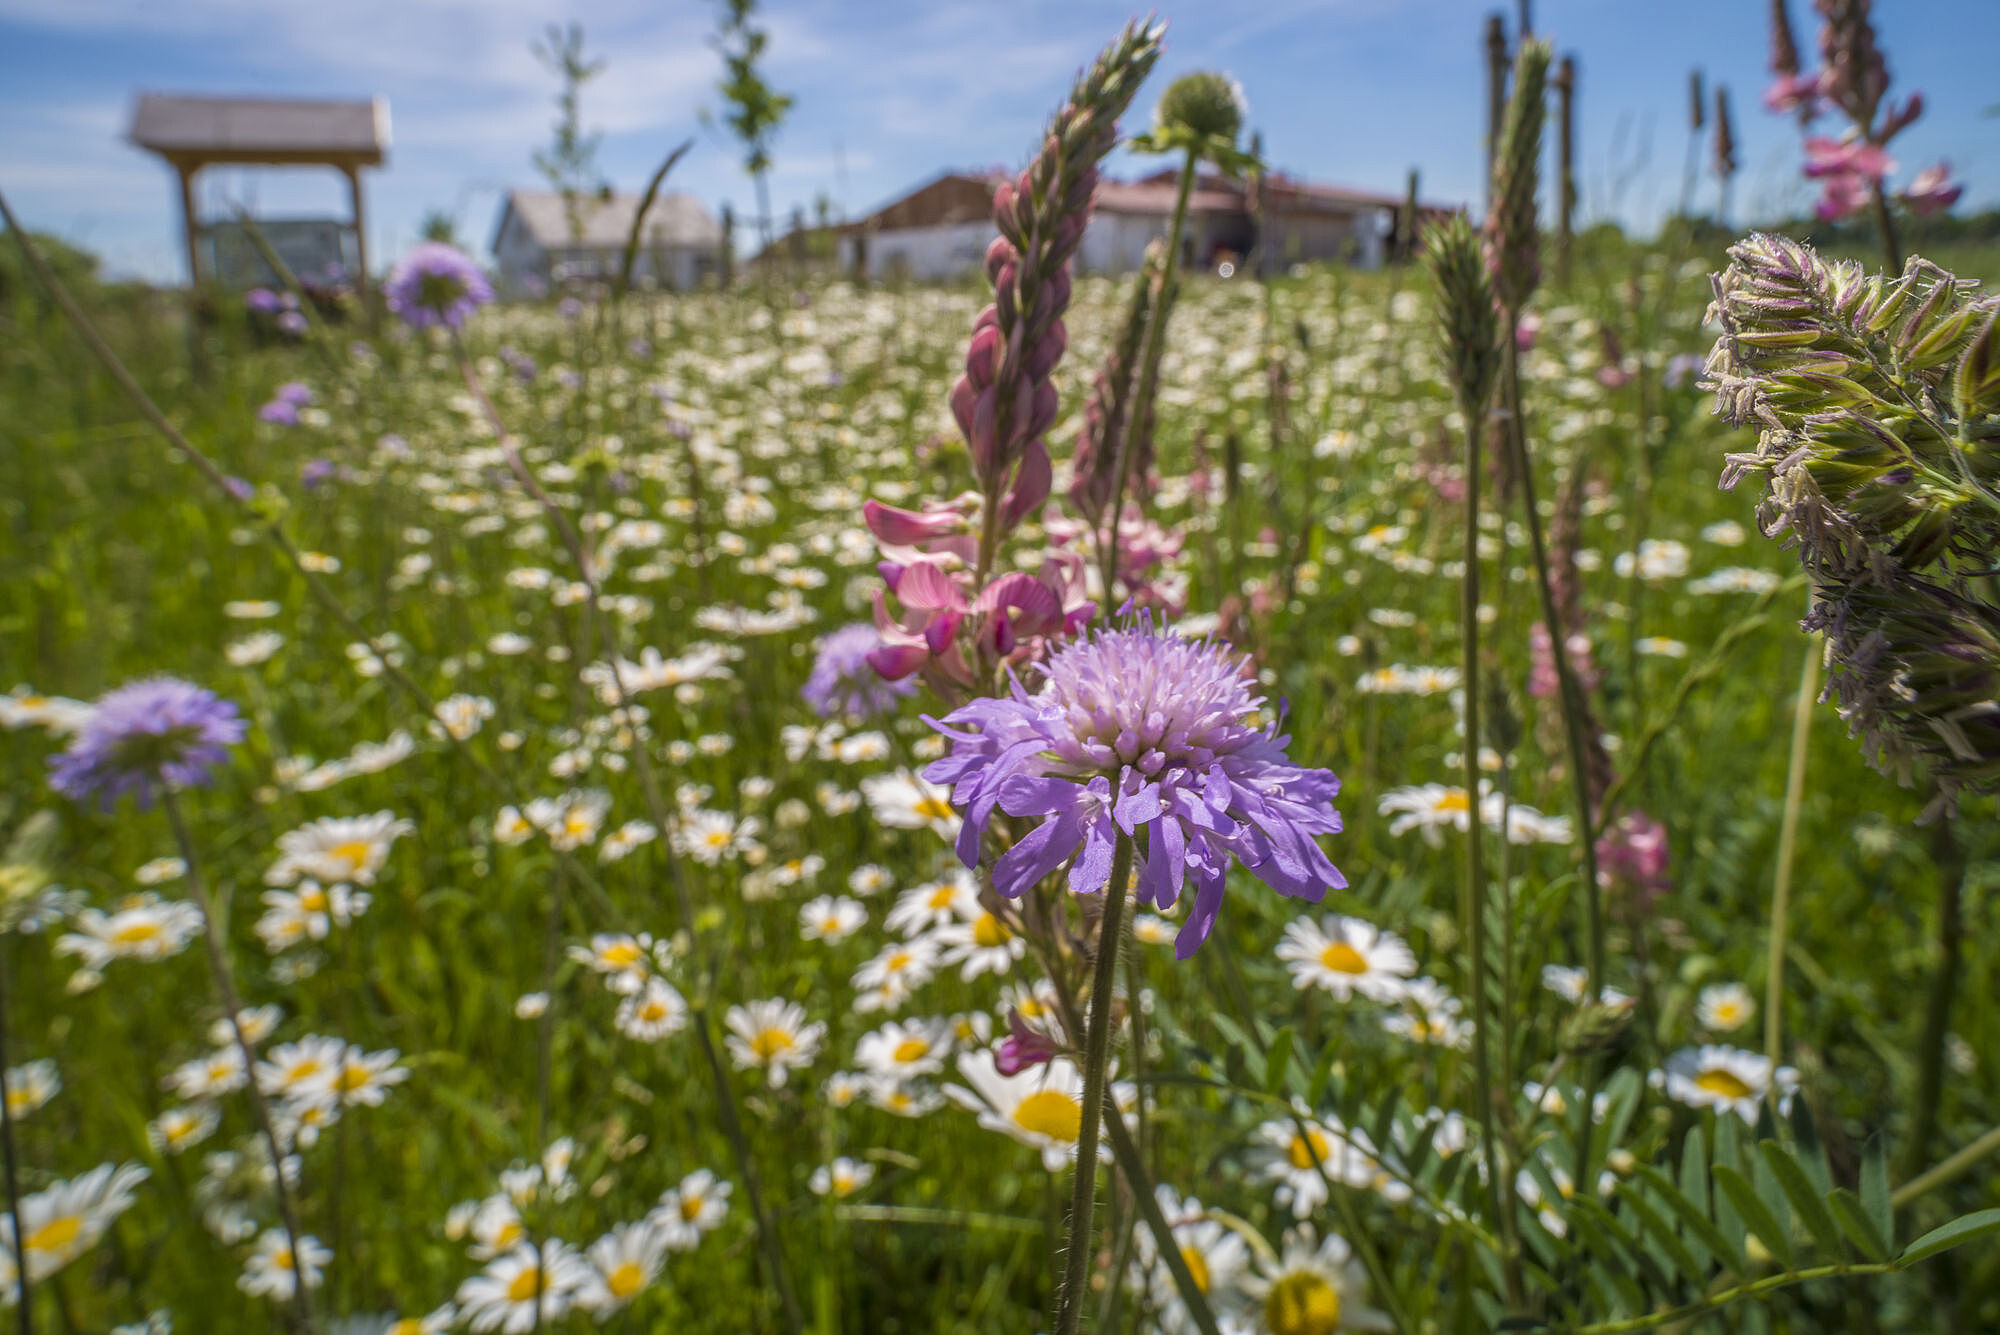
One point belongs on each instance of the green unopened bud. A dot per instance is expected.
(1206, 105)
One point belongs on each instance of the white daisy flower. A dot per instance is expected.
(869, 879)
(903, 1098)
(1041, 1106)
(695, 1207)
(772, 1036)
(841, 1178)
(1302, 1154)
(979, 942)
(906, 802)
(897, 970)
(336, 850)
(655, 1012)
(31, 1085)
(1430, 1015)
(1725, 1079)
(179, 1129)
(904, 1049)
(623, 1262)
(275, 1271)
(1346, 956)
(1724, 1008)
(219, 1073)
(935, 903)
(531, 1286)
(1312, 1287)
(1215, 1257)
(830, 919)
(140, 927)
(307, 1066)
(65, 1221)
(624, 961)
(1428, 808)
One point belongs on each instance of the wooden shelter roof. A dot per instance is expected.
(198, 131)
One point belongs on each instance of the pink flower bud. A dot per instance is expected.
(1931, 190)
(1048, 351)
(893, 662)
(983, 437)
(999, 255)
(1043, 415)
(982, 358)
(894, 527)
(1031, 484)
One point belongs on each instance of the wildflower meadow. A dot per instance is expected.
(1450, 796)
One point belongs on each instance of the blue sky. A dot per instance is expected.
(889, 92)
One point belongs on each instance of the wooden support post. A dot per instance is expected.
(190, 229)
(361, 286)
(1565, 82)
(1496, 92)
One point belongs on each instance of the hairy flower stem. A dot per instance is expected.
(1473, 907)
(1096, 1057)
(24, 1300)
(1139, 401)
(1885, 222)
(232, 1005)
(1781, 886)
(1572, 708)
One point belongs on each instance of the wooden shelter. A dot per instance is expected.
(196, 132)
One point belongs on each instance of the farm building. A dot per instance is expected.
(942, 228)
(539, 240)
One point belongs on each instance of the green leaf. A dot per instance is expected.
(1322, 1073)
(1856, 1224)
(1946, 1236)
(1808, 1149)
(1695, 1218)
(1799, 1189)
(1875, 1191)
(1757, 1216)
(1277, 1059)
(1664, 1234)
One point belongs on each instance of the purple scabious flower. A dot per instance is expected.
(159, 731)
(295, 392)
(279, 412)
(436, 284)
(1138, 730)
(843, 683)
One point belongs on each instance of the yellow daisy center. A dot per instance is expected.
(934, 808)
(690, 1207)
(354, 852)
(409, 1325)
(1307, 1150)
(898, 962)
(56, 1235)
(941, 897)
(911, 1049)
(989, 932)
(352, 1078)
(1725, 1083)
(718, 838)
(507, 1234)
(136, 933)
(625, 1280)
(1454, 799)
(622, 955)
(304, 1070)
(1197, 1266)
(770, 1042)
(1343, 958)
(524, 1286)
(1302, 1304)
(313, 901)
(1051, 1113)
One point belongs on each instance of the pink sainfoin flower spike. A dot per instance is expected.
(949, 624)
(1846, 157)
(1932, 190)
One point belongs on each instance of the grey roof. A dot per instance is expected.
(676, 219)
(240, 128)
